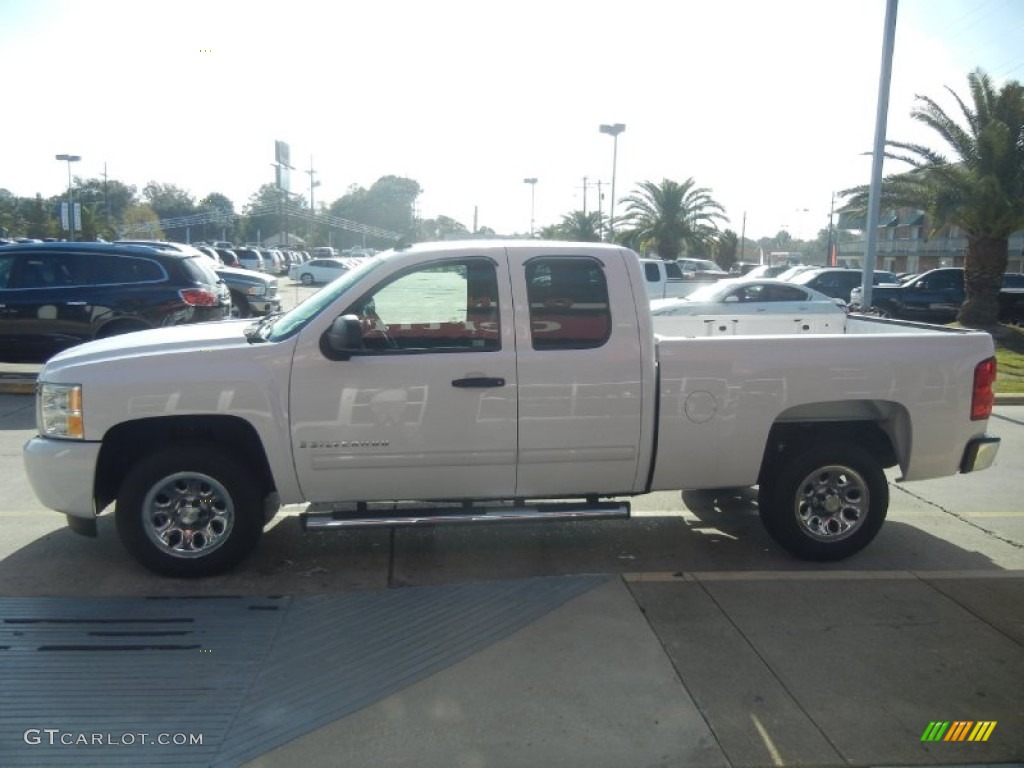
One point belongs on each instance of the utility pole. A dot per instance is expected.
(313, 184)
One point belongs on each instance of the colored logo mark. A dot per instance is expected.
(958, 730)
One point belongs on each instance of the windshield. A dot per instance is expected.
(294, 321)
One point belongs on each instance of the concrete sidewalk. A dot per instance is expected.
(717, 669)
(744, 669)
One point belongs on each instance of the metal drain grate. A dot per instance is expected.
(248, 674)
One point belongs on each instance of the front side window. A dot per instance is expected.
(568, 303)
(445, 307)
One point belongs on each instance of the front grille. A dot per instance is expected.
(272, 290)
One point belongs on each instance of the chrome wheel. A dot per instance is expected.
(832, 502)
(188, 515)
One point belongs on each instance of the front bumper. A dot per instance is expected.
(264, 306)
(61, 472)
(979, 454)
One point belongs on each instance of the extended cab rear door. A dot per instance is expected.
(581, 376)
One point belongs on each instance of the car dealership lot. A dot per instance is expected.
(688, 637)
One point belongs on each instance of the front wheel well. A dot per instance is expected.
(125, 444)
(785, 438)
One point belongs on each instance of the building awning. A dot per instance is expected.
(914, 219)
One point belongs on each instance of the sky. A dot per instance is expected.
(769, 104)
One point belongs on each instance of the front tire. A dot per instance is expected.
(826, 502)
(239, 306)
(307, 278)
(189, 510)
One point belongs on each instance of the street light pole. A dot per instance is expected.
(71, 208)
(613, 130)
(533, 189)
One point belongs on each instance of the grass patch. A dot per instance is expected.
(1009, 342)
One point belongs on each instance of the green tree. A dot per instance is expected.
(40, 220)
(726, 248)
(441, 228)
(168, 201)
(979, 187)
(670, 218)
(141, 221)
(389, 204)
(221, 212)
(580, 227)
(12, 222)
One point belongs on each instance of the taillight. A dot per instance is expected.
(983, 397)
(199, 297)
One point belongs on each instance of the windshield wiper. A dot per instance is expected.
(254, 332)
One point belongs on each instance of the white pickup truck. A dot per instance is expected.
(679, 278)
(488, 381)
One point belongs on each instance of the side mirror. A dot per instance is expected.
(731, 299)
(343, 339)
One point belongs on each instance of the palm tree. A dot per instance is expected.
(979, 188)
(581, 227)
(670, 218)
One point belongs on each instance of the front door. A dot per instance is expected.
(427, 408)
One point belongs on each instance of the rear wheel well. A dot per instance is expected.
(127, 443)
(117, 327)
(787, 438)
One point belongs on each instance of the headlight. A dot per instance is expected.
(59, 411)
(256, 290)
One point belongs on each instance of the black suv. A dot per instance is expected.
(56, 295)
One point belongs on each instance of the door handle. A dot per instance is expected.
(75, 303)
(478, 381)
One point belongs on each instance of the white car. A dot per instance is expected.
(744, 306)
(319, 270)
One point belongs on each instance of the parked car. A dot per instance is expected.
(250, 258)
(494, 376)
(936, 296)
(252, 293)
(838, 282)
(228, 257)
(743, 306)
(768, 270)
(743, 267)
(273, 264)
(319, 270)
(56, 295)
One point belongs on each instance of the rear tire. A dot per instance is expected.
(825, 502)
(189, 510)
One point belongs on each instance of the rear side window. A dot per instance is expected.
(651, 272)
(568, 303)
(125, 269)
(199, 271)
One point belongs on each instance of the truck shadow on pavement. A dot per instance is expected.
(720, 532)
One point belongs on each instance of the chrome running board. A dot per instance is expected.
(441, 515)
